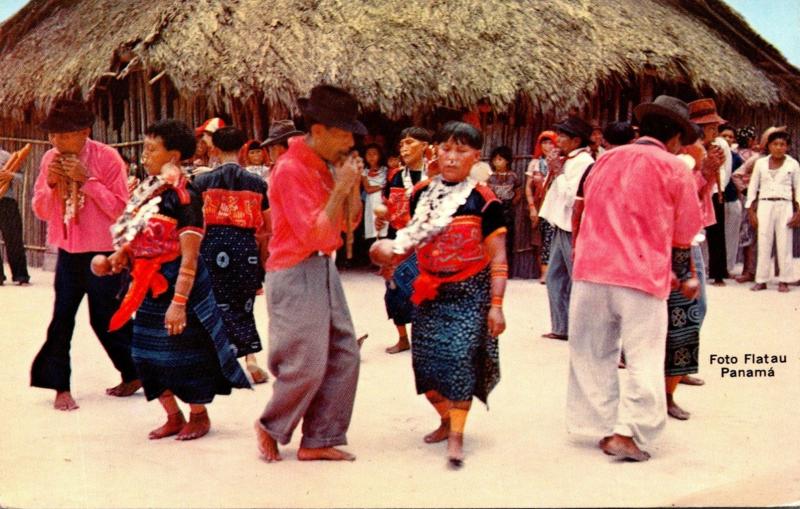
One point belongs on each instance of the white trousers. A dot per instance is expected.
(772, 219)
(733, 223)
(603, 320)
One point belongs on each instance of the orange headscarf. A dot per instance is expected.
(545, 135)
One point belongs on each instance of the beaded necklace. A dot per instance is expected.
(140, 208)
(434, 212)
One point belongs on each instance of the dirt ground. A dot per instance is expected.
(740, 447)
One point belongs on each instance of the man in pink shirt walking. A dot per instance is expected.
(80, 191)
(313, 352)
(641, 214)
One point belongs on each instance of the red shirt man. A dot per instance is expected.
(313, 352)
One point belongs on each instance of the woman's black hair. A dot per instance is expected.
(254, 145)
(460, 132)
(175, 135)
(418, 133)
(659, 127)
(777, 135)
(229, 139)
(727, 127)
(503, 151)
(381, 157)
(619, 133)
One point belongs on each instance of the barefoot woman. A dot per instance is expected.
(458, 234)
(180, 346)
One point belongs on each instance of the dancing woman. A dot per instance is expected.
(458, 235)
(179, 345)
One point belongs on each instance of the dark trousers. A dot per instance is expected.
(11, 228)
(51, 367)
(717, 254)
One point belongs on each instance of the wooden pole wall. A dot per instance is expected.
(142, 103)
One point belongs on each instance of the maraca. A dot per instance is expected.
(100, 265)
(380, 210)
(381, 252)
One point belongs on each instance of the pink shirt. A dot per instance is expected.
(299, 188)
(640, 202)
(105, 195)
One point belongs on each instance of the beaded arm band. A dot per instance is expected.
(187, 272)
(499, 270)
(180, 299)
(497, 302)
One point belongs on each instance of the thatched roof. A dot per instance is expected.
(394, 55)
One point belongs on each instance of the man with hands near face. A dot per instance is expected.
(313, 353)
(80, 191)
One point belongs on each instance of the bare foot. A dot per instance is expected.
(783, 287)
(65, 402)
(455, 449)
(758, 287)
(677, 412)
(324, 453)
(623, 447)
(174, 424)
(267, 445)
(259, 375)
(401, 346)
(692, 380)
(439, 434)
(124, 389)
(198, 425)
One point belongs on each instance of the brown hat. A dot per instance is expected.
(332, 107)
(672, 108)
(67, 116)
(280, 131)
(704, 111)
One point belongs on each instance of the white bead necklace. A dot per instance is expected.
(434, 212)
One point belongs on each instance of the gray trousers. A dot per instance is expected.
(733, 224)
(313, 355)
(603, 320)
(559, 280)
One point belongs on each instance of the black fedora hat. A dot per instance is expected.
(67, 116)
(280, 131)
(576, 127)
(332, 107)
(672, 108)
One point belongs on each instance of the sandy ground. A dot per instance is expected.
(741, 446)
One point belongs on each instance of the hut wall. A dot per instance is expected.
(126, 106)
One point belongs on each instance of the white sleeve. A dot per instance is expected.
(755, 183)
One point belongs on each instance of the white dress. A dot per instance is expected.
(372, 200)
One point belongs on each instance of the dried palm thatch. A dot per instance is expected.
(396, 56)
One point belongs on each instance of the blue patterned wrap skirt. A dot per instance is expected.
(683, 335)
(196, 364)
(231, 256)
(398, 291)
(451, 349)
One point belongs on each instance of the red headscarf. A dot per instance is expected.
(545, 135)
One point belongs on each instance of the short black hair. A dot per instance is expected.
(229, 139)
(778, 135)
(619, 133)
(503, 151)
(175, 135)
(727, 127)
(418, 133)
(254, 145)
(460, 132)
(659, 127)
